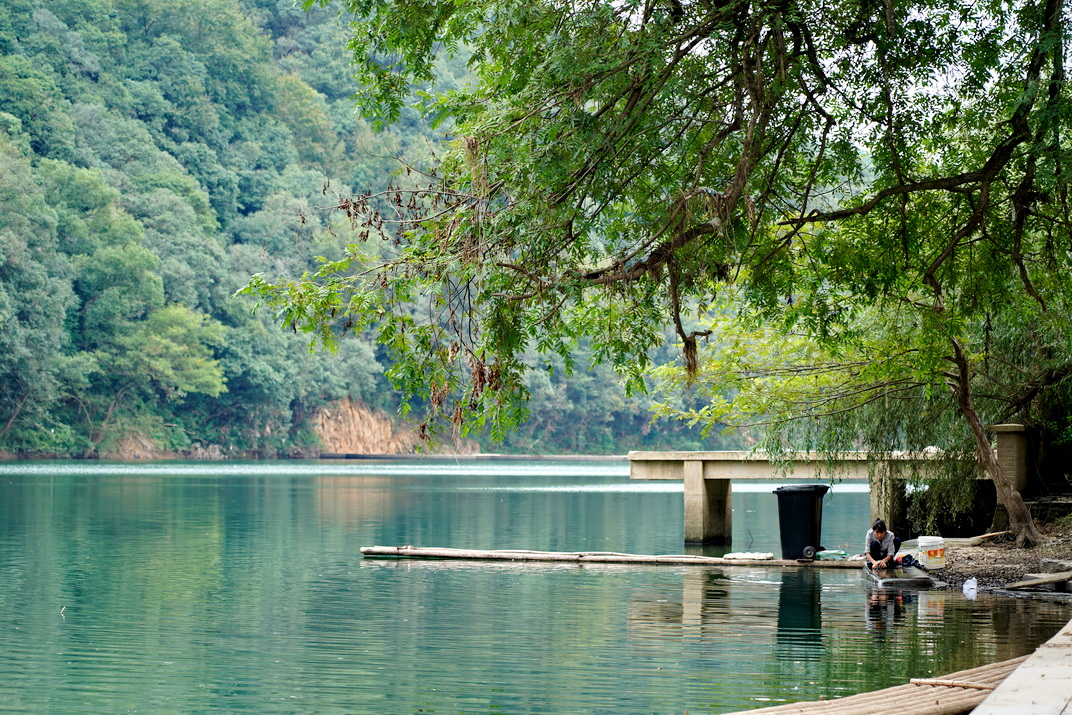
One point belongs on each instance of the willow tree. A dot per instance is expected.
(615, 164)
(898, 377)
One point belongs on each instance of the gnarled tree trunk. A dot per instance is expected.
(1020, 521)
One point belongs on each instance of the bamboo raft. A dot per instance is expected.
(601, 557)
(948, 695)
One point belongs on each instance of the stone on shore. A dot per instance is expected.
(997, 562)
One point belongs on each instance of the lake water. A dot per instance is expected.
(238, 587)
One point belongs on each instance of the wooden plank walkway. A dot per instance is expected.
(600, 557)
(948, 695)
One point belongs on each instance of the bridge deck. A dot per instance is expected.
(750, 465)
(708, 477)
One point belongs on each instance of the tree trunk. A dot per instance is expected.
(14, 414)
(1021, 524)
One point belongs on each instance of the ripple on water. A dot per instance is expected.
(200, 588)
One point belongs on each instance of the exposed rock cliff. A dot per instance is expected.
(348, 427)
(135, 446)
(344, 427)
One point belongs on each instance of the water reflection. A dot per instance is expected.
(800, 607)
(239, 588)
(702, 599)
(353, 499)
(932, 607)
(885, 609)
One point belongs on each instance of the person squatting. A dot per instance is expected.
(880, 546)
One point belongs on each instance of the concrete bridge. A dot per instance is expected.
(708, 477)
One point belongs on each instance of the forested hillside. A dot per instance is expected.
(154, 154)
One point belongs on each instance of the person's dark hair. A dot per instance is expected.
(879, 525)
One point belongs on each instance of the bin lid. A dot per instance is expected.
(803, 488)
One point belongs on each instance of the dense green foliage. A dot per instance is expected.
(153, 156)
(873, 177)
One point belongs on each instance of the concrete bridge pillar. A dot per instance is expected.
(1011, 449)
(1012, 453)
(888, 499)
(708, 507)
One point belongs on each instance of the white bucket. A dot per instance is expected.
(930, 550)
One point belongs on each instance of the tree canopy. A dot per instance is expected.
(154, 155)
(893, 168)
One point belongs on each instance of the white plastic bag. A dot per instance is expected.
(970, 588)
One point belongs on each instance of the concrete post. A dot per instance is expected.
(1011, 449)
(708, 507)
(888, 500)
(1012, 453)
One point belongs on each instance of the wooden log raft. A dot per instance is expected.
(948, 695)
(602, 557)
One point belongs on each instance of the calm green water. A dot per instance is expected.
(220, 587)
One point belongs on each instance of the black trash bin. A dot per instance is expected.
(800, 519)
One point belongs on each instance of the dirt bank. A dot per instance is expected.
(998, 562)
(348, 427)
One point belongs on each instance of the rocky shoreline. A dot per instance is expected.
(998, 562)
